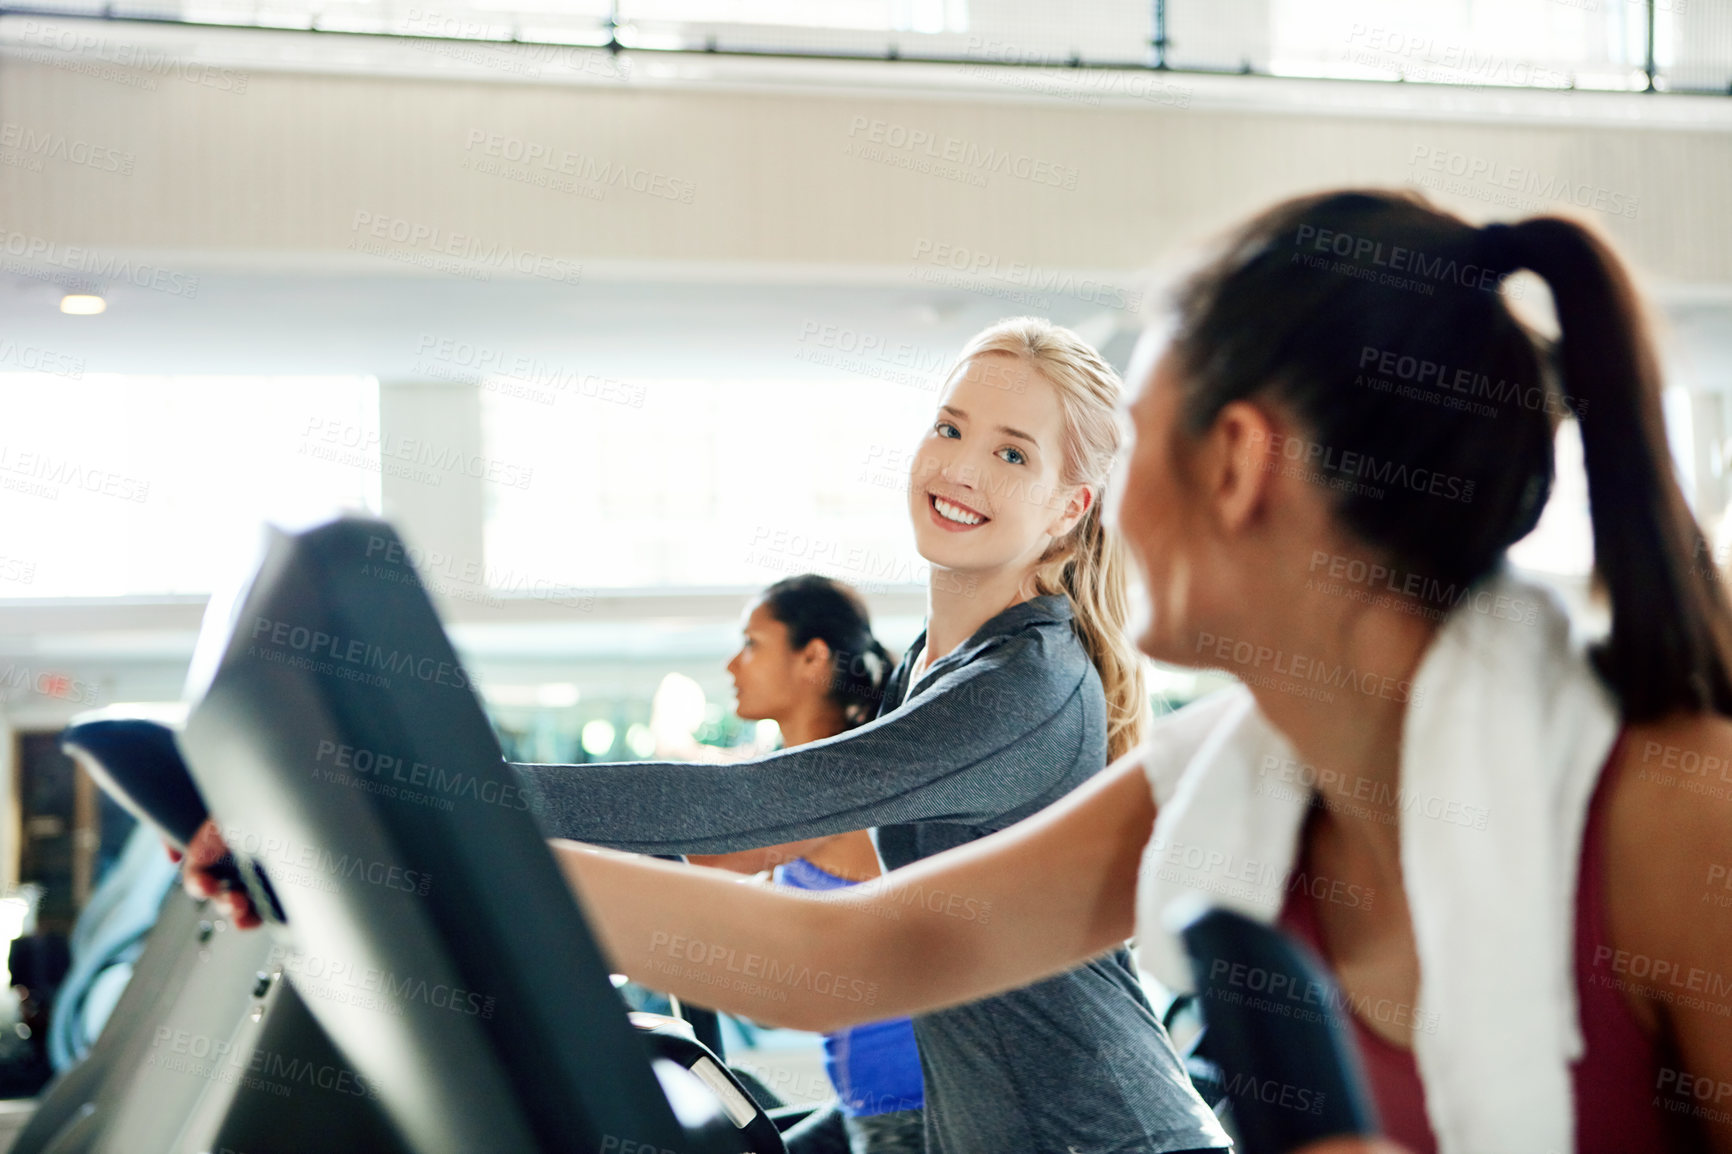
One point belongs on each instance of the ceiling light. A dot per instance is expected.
(597, 737)
(82, 304)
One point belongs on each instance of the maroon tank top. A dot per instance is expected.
(1614, 1080)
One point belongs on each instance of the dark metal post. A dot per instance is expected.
(1648, 65)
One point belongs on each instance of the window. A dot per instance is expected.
(122, 485)
(707, 483)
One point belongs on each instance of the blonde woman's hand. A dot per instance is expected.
(203, 853)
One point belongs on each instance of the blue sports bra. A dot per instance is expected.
(875, 1067)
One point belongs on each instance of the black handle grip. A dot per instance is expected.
(136, 761)
(1290, 1068)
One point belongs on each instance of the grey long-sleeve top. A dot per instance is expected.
(1007, 723)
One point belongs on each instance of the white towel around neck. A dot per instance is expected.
(1506, 731)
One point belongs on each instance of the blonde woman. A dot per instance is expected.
(1021, 687)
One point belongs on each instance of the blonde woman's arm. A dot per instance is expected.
(1023, 904)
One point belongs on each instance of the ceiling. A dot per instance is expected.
(732, 323)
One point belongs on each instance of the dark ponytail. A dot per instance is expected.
(1380, 324)
(815, 607)
(1670, 645)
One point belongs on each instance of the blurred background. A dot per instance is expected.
(623, 309)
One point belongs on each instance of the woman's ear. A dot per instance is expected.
(1081, 500)
(815, 661)
(1241, 455)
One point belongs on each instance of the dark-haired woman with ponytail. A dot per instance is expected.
(1503, 834)
(809, 662)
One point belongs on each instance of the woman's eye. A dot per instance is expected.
(943, 425)
(1013, 454)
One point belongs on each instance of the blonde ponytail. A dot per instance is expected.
(1088, 565)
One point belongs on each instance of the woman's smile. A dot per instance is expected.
(953, 516)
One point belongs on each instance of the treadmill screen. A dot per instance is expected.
(340, 744)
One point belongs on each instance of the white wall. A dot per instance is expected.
(258, 156)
